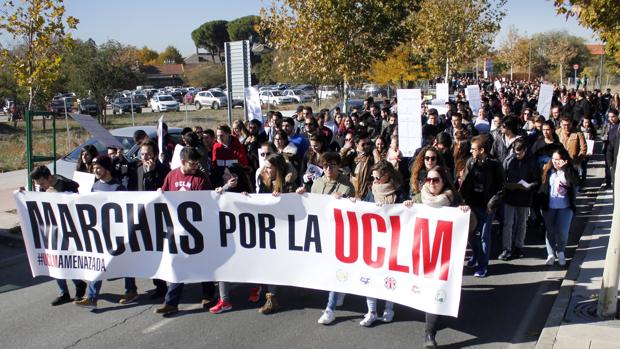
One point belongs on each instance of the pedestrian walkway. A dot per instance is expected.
(9, 221)
(572, 322)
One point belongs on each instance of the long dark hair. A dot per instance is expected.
(81, 165)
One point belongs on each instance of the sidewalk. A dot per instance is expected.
(572, 322)
(9, 221)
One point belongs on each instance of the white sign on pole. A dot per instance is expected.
(473, 96)
(160, 137)
(85, 180)
(409, 120)
(99, 133)
(544, 100)
(252, 104)
(498, 85)
(443, 93)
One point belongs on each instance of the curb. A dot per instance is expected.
(548, 336)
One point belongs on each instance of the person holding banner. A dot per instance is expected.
(102, 168)
(337, 184)
(427, 158)
(186, 178)
(386, 189)
(437, 191)
(43, 178)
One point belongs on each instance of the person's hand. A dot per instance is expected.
(408, 203)
(232, 182)
(337, 195)
(464, 208)
(245, 193)
(148, 165)
(276, 193)
(21, 189)
(159, 190)
(219, 190)
(300, 190)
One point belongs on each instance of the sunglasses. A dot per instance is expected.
(265, 154)
(377, 178)
(430, 158)
(433, 180)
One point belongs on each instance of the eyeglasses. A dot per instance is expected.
(377, 178)
(331, 165)
(433, 180)
(430, 158)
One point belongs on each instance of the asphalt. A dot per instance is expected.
(571, 321)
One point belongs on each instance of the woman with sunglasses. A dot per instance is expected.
(438, 191)
(427, 158)
(286, 148)
(386, 189)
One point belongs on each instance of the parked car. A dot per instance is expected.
(141, 100)
(325, 92)
(88, 107)
(60, 104)
(121, 105)
(177, 95)
(373, 89)
(164, 103)
(8, 105)
(66, 165)
(299, 96)
(189, 97)
(212, 98)
(274, 97)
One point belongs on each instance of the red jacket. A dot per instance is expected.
(222, 155)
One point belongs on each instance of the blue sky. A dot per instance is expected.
(159, 23)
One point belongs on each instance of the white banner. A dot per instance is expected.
(252, 103)
(544, 100)
(473, 96)
(443, 93)
(412, 256)
(409, 120)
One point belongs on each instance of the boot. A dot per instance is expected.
(271, 304)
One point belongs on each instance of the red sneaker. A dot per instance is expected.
(220, 307)
(254, 294)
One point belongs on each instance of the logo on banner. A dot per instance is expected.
(440, 297)
(365, 280)
(390, 283)
(342, 275)
(416, 289)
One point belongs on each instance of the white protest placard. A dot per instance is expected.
(409, 120)
(498, 85)
(160, 137)
(85, 180)
(472, 92)
(590, 146)
(176, 157)
(443, 93)
(98, 132)
(252, 103)
(314, 170)
(545, 96)
(411, 256)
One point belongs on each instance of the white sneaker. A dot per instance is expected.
(561, 259)
(388, 315)
(327, 318)
(550, 259)
(340, 299)
(368, 319)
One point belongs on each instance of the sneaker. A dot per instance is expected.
(254, 294)
(388, 315)
(429, 341)
(86, 303)
(471, 263)
(62, 299)
(369, 318)
(128, 297)
(221, 307)
(517, 253)
(505, 255)
(166, 309)
(327, 318)
(340, 300)
(271, 304)
(480, 273)
(561, 259)
(550, 259)
(158, 293)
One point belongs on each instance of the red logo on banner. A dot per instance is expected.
(390, 283)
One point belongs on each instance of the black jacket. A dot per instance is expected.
(517, 170)
(483, 183)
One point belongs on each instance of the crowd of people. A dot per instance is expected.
(504, 163)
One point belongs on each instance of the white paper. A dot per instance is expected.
(409, 120)
(473, 96)
(443, 93)
(252, 103)
(498, 85)
(590, 144)
(160, 137)
(176, 157)
(544, 100)
(85, 180)
(315, 170)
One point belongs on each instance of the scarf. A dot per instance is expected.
(384, 193)
(441, 200)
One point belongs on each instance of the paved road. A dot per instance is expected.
(506, 309)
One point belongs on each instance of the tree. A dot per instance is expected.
(211, 36)
(558, 49)
(170, 55)
(41, 27)
(242, 28)
(333, 41)
(400, 66)
(207, 75)
(147, 56)
(514, 50)
(455, 31)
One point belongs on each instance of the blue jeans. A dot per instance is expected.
(80, 287)
(557, 221)
(332, 300)
(175, 290)
(480, 241)
(93, 289)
